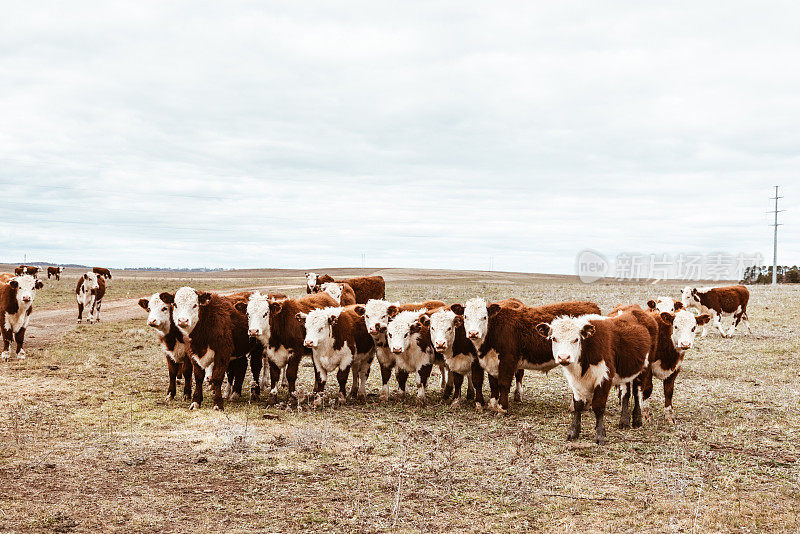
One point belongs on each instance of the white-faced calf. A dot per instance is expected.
(159, 317)
(55, 272)
(595, 353)
(16, 305)
(719, 302)
(410, 343)
(449, 339)
(664, 304)
(89, 294)
(340, 292)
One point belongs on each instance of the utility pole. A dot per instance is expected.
(363, 259)
(775, 238)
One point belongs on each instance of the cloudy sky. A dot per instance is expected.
(422, 134)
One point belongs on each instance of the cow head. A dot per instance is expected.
(476, 320)
(664, 304)
(684, 326)
(88, 287)
(311, 282)
(443, 325)
(334, 290)
(186, 308)
(24, 288)
(689, 297)
(159, 310)
(566, 335)
(402, 329)
(376, 316)
(318, 324)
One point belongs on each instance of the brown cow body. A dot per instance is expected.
(54, 271)
(364, 287)
(26, 269)
(16, 305)
(89, 294)
(172, 343)
(719, 302)
(102, 271)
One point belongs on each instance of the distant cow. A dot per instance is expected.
(26, 269)
(364, 287)
(89, 293)
(376, 317)
(341, 292)
(274, 323)
(102, 271)
(55, 271)
(314, 280)
(664, 304)
(16, 305)
(172, 342)
(512, 343)
(594, 353)
(719, 302)
(339, 341)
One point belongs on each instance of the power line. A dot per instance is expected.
(775, 237)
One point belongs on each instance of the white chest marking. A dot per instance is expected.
(18, 321)
(279, 356)
(661, 373)
(491, 362)
(412, 359)
(583, 386)
(461, 363)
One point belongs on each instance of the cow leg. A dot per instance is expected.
(237, 369)
(494, 392)
(386, 374)
(97, 310)
(355, 369)
(341, 377)
(505, 375)
(625, 401)
(19, 337)
(477, 384)
(284, 379)
(422, 390)
(669, 388)
(199, 378)
(645, 391)
(402, 378)
(575, 427)
(746, 321)
(470, 386)
(446, 380)
(8, 335)
(291, 373)
(637, 403)
(518, 391)
(256, 364)
(274, 377)
(187, 379)
(80, 312)
(448, 388)
(217, 377)
(599, 400)
(458, 380)
(172, 367)
(718, 324)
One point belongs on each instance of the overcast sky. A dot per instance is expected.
(423, 134)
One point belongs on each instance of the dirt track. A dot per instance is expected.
(47, 326)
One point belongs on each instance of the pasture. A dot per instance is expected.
(88, 442)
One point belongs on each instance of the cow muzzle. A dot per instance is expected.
(397, 350)
(473, 334)
(562, 359)
(253, 332)
(182, 322)
(26, 300)
(684, 346)
(153, 322)
(440, 345)
(309, 344)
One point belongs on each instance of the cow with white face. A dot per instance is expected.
(450, 340)
(664, 304)
(16, 305)
(311, 282)
(410, 343)
(159, 317)
(89, 294)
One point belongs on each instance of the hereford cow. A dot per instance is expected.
(19, 271)
(410, 343)
(217, 341)
(594, 353)
(449, 339)
(339, 341)
(511, 341)
(89, 293)
(364, 287)
(664, 304)
(16, 305)
(26, 269)
(172, 342)
(55, 271)
(274, 323)
(341, 292)
(719, 302)
(102, 271)
(376, 317)
(314, 281)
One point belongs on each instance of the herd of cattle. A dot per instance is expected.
(345, 324)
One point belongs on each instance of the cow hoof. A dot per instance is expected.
(235, 396)
(456, 402)
(517, 397)
(217, 408)
(478, 407)
(600, 439)
(79, 321)
(169, 398)
(5, 356)
(194, 406)
(572, 435)
(384, 396)
(669, 416)
(21, 355)
(187, 396)
(623, 424)
(341, 399)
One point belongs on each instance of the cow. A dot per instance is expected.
(664, 304)
(102, 271)
(376, 317)
(364, 287)
(16, 305)
(89, 293)
(54, 271)
(511, 341)
(341, 292)
(19, 271)
(172, 342)
(314, 281)
(339, 341)
(410, 343)
(719, 302)
(676, 335)
(274, 323)
(217, 338)
(26, 269)
(594, 353)
(449, 339)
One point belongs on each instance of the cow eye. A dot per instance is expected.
(194, 306)
(164, 308)
(574, 340)
(265, 315)
(693, 328)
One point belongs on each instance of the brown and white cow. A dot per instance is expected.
(55, 271)
(719, 302)
(364, 287)
(449, 338)
(19, 271)
(594, 353)
(274, 323)
(217, 340)
(102, 271)
(410, 343)
(339, 342)
(16, 305)
(664, 304)
(314, 280)
(341, 292)
(172, 342)
(376, 317)
(26, 269)
(89, 294)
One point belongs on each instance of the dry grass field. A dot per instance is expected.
(87, 442)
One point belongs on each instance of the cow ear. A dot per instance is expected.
(678, 305)
(13, 283)
(241, 307)
(543, 329)
(275, 307)
(458, 309)
(85, 276)
(204, 298)
(458, 321)
(169, 298)
(145, 304)
(416, 328)
(360, 310)
(424, 320)
(332, 319)
(392, 311)
(301, 317)
(587, 330)
(702, 319)
(667, 317)
(493, 309)
(651, 304)
(39, 284)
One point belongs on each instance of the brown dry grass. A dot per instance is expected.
(88, 444)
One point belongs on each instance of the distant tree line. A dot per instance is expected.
(763, 274)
